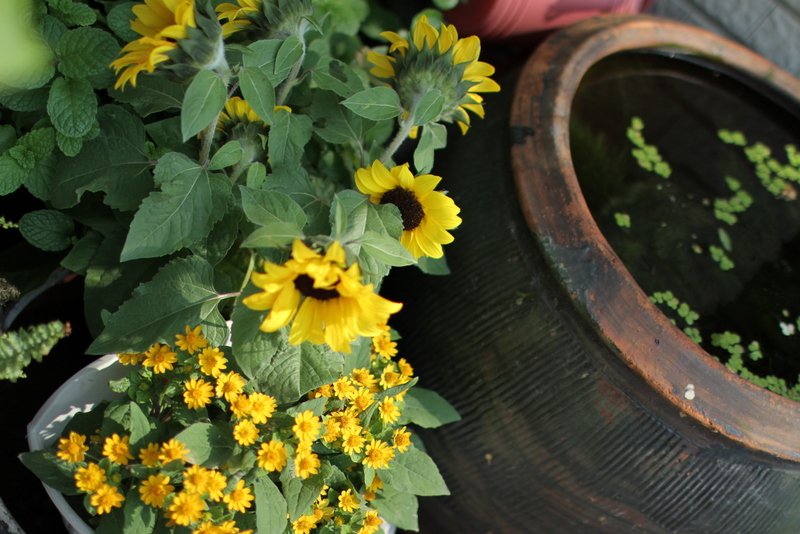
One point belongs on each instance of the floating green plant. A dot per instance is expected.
(646, 155)
(623, 220)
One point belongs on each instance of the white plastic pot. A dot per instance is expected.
(84, 390)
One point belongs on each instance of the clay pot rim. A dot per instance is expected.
(564, 228)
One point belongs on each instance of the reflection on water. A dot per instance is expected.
(739, 274)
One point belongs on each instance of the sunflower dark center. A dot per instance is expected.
(410, 208)
(305, 285)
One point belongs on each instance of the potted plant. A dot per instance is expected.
(199, 162)
(621, 422)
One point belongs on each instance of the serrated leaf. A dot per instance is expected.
(81, 254)
(47, 229)
(179, 215)
(261, 54)
(72, 13)
(338, 77)
(429, 107)
(285, 370)
(399, 509)
(72, 106)
(434, 137)
(69, 146)
(84, 52)
(202, 102)
(210, 445)
(301, 494)
(268, 207)
(119, 20)
(258, 92)
(271, 507)
(289, 53)
(153, 93)
(384, 219)
(288, 136)
(32, 100)
(377, 103)
(414, 472)
(181, 293)
(349, 216)
(11, 175)
(427, 409)
(50, 471)
(343, 17)
(386, 249)
(228, 154)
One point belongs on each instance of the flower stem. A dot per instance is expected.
(287, 85)
(402, 134)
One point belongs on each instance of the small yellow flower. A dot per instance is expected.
(160, 358)
(245, 433)
(383, 345)
(272, 456)
(306, 463)
(173, 450)
(362, 400)
(347, 501)
(332, 430)
(212, 361)
(237, 111)
(229, 385)
(195, 480)
(117, 450)
(372, 522)
(304, 524)
(105, 498)
(348, 421)
(401, 439)
(378, 454)
(240, 498)
(89, 478)
(389, 411)
(198, 393)
(261, 407)
(352, 442)
(344, 388)
(192, 341)
(322, 391)
(186, 508)
(155, 490)
(390, 377)
(306, 426)
(149, 455)
(130, 358)
(216, 484)
(405, 367)
(240, 406)
(72, 448)
(365, 378)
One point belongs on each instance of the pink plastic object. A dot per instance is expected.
(498, 19)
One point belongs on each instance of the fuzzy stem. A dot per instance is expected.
(402, 134)
(287, 85)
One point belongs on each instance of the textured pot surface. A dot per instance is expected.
(570, 382)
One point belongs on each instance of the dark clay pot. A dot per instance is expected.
(575, 389)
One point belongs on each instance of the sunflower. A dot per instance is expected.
(161, 23)
(437, 59)
(324, 300)
(237, 15)
(427, 214)
(237, 111)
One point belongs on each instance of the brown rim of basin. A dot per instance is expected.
(595, 277)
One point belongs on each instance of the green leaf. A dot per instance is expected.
(273, 235)
(139, 518)
(384, 219)
(47, 229)
(270, 506)
(139, 425)
(222, 237)
(288, 136)
(386, 249)
(115, 162)
(268, 207)
(286, 371)
(338, 77)
(119, 20)
(301, 494)
(335, 123)
(343, 17)
(349, 216)
(72, 13)
(179, 215)
(228, 155)
(84, 52)
(11, 175)
(31, 100)
(28, 156)
(8, 137)
(80, 257)
(70, 146)
(414, 472)
(72, 106)
(433, 266)
(434, 137)
(290, 52)
(399, 509)
(181, 294)
(153, 93)
(202, 102)
(427, 409)
(258, 92)
(429, 107)
(50, 470)
(261, 55)
(209, 445)
(377, 103)
(111, 523)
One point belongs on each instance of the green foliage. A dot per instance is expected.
(647, 156)
(19, 347)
